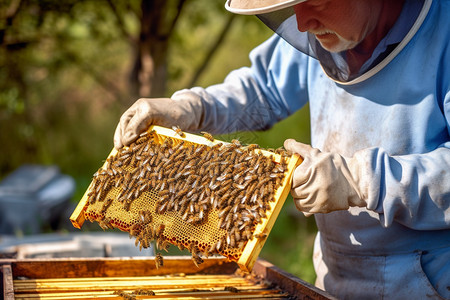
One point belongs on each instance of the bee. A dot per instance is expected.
(276, 175)
(145, 216)
(127, 204)
(224, 212)
(207, 136)
(216, 170)
(143, 138)
(159, 261)
(247, 233)
(144, 244)
(279, 168)
(229, 222)
(270, 189)
(184, 212)
(236, 143)
(231, 240)
(153, 160)
(105, 224)
(179, 147)
(162, 207)
(138, 147)
(172, 172)
(105, 205)
(200, 149)
(237, 236)
(227, 183)
(224, 177)
(197, 259)
(252, 147)
(137, 240)
(219, 244)
(126, 159)
(99, 196)
(178, 131)
(216, 147)
(231, 289)
(178, 157)
(209, 155)
(148, 232)
(91, 197)
(239, 167)
(192, 248)
(211, 248)
(159, 230)
(144, 292)
(125, 295)
(233, 156)
(165, 245)
(201, 215)
(134, 230)
(260, 236)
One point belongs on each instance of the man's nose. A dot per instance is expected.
(306, 20)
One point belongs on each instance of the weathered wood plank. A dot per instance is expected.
(114, 267)
(7, 282)
(288, 282)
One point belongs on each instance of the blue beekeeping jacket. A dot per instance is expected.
(396, 120)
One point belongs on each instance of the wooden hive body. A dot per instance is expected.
(109, 278)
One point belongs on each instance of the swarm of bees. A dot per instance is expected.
(227, 184)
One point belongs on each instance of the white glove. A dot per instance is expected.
(184, 109)
(324, 182)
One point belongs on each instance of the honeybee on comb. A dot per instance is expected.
(207, 136)
(178, 131)
(209, 197)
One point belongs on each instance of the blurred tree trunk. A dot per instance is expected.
(148, 77)
(158, 19)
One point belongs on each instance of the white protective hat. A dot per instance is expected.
(256, 7)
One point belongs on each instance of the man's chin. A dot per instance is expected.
(338, 45)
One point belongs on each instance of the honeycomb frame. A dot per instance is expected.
(248, 255)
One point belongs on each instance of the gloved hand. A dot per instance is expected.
(324, 182)
(184, 109)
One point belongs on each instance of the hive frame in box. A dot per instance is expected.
(68, 273)
(254, 246)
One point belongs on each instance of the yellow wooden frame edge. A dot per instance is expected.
(254, 246)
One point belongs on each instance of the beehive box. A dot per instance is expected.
(137, 278)
(211, 197)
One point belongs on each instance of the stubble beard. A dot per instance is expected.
(339, 46)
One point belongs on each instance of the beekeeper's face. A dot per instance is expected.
(338, 24)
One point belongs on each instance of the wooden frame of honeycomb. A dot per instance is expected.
(191, 191)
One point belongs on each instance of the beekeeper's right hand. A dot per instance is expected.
(325, 182)
(184, 109)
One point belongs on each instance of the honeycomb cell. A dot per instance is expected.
(205, 198)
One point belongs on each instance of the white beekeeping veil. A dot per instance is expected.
(280, 16)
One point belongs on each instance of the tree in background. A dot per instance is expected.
(90, 59)
(158, 20)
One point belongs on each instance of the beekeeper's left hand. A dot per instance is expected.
(324, 182)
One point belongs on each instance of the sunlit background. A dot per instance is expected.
(69, 69)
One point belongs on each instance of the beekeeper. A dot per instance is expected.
(376, 74)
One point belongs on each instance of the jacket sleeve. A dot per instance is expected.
(250, 97)
(413, 189)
